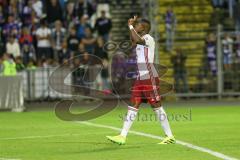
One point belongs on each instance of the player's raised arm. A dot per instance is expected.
(135, 37)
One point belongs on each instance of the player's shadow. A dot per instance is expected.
(82, 142)
(105, 147)
(111, 147)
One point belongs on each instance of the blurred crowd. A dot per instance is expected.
(232, 7)
(45, 33)
(230, 46)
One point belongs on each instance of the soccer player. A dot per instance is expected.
(147, 84)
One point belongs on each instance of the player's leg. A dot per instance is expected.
(136, 100)
(162, 117)
(130, 117)
(154, 99)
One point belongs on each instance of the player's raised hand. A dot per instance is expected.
(135, 18)
(131, 21)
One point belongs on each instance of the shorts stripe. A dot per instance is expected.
(151, 73)
(132, 109)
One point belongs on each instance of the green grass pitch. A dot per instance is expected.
(39, 135)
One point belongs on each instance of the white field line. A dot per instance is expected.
(9, 159)
(188, 145)
(36, 137)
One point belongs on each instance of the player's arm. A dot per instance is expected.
(132, 22)
(135, 37)
(131, 39)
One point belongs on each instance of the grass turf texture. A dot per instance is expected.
(215, 128)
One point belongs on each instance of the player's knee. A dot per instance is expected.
(137, 105)
(156, 105)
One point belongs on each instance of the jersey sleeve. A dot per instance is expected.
(148, 40)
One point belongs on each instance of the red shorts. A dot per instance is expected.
(148, 89)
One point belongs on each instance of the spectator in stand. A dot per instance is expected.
(31, 65)
(69, 15)
(81, 50)
(44, 63)
(44, 49)
(35, 21)
(211, 50)
(100, 53)
(103, 26)
(170, 20)
(82, 26)
(79, 73)
(27, 13)
(94, 5)
(65, 54)
(73, 42)
(28, 53)
(236, 16)
(2, 17)
(52, 63)
(66, 63)
(14, 12)
(3, 2)
(180, 72)
(27, 48)
(19, 64)
(2, 45)
(21, 4)
(12, 47)
(62, 3)
(1, 65)
(33, 26)
(89, 41)
(8, 65)
(12, 27)
(86, 61)
(54, 12)
(83, 7)
(227, 45)
(37, 36)
(118, 72)
(79, 76)
(105, 75)
(12, 7)
(238, 48)
(58, 36)
(26, 37)
(38, 8)
(48, 63)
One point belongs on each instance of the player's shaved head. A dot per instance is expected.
(147, 24)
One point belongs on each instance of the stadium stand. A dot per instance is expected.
(120, 15)
(71, 31)
(192, 26)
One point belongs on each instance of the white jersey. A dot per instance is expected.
(145, 58)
